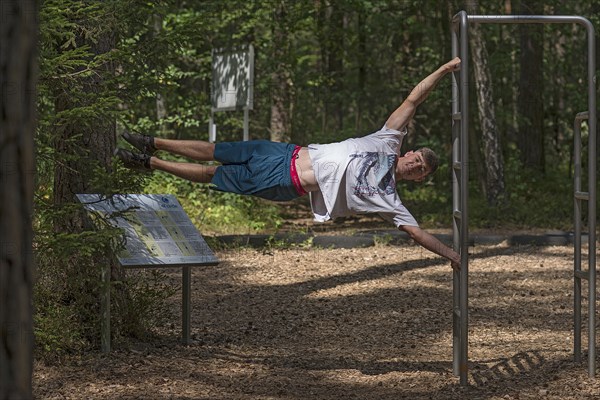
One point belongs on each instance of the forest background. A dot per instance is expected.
(325, 70)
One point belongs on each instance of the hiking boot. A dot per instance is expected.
(138, 162)
(144, 143)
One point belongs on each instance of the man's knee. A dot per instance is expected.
(211, 149)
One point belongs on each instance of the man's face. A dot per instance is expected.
(412, 167)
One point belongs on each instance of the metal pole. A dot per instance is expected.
(455, 205)
(185, 304)
(592, 197)
(246, 125)
(212, 131)
(577, 276)
(105, 309)
(529, 19)
(464, 197)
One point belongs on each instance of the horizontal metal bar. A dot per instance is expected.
(582, 275)
(582, 195)
(528, 19)
(457, 116)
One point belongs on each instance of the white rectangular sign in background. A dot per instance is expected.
(157, 230)
(232, 79)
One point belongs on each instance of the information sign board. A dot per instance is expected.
(157, 230)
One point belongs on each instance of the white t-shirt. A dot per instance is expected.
(357, 176)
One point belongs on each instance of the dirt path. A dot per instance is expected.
(372, 323)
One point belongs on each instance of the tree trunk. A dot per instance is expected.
(83, 147)
(322, 60)
(492, 151)
(336, 63)
(530, 100)
(161, 103)
(280, 77)
(330, 20)
(18, 63)
(362, 69)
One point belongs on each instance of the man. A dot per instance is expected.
(354, 176)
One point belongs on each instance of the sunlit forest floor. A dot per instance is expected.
(364, 323)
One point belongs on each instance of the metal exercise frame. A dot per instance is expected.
(460, 178)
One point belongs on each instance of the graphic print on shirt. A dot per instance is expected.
(375, 174)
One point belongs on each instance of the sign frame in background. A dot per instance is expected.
(232, 87)
(158, 234)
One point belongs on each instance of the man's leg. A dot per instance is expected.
(192, 172)
(195, 149)
(198, 150)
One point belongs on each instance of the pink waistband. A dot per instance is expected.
(294, 173)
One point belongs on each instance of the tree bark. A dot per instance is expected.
(330, 20)
(335, 66)
(492, 151)
(280, 77)
(18, 66)
(161, 103)
(83, 147)
(362, 69)
(530, 98)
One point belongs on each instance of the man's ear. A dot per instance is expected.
(408, 153)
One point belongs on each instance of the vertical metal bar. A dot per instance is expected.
(185, 304)
(455, 206)
(577, 242)
(464, 205)
(246, 124)
(105, 309)
(212, 132)
(592, 198)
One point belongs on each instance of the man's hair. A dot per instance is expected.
(430, 158)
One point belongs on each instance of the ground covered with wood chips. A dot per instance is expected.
(368, 323)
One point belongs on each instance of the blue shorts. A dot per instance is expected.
(258, 167)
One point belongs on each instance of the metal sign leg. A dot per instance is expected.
(186, 304)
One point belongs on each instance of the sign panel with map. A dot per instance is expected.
(157, 230)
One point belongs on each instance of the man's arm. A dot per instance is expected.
(432, 244)
(403, 114)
